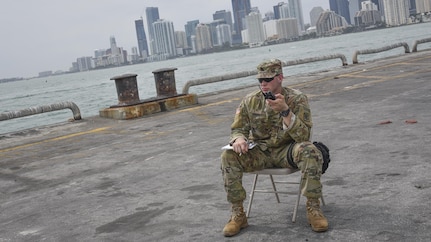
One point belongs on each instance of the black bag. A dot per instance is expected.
(325, 154)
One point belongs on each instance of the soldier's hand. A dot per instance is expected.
(240, 146)
(279, 104)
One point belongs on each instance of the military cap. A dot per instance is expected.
(269, 69)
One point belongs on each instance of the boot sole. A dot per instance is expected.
(318, 230)
(242, 227)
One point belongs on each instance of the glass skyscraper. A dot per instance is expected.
(241, 8)
(152, 14)
(340, 7)
(142, 38)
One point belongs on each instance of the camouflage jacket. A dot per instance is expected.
(256, 121)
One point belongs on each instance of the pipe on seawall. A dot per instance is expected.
(417, 42)
(42, 109)
(254, 72)
(374, 51)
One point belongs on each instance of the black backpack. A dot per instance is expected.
(325, 154)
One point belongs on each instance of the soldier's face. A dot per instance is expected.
(273, 85)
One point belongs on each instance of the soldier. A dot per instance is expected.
(278, 120)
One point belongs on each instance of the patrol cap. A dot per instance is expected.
(269, 69)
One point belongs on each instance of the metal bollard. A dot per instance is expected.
(165, 82)
(127, 89)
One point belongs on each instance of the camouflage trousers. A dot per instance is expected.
(305, 155)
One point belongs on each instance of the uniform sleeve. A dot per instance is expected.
(301, 128)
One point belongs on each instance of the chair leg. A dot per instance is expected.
(252, 195)
(323, 201)
(275, 189)
(298, 198)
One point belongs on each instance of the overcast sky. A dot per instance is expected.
(48, 35)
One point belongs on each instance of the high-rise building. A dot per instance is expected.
(368, 15)
(224, 34)
(380, 6)
(213, 30)
(368, 5)
(377, 2)
(287, 28)
(114, 49)
(330, 23)
(277, 10)
(84, 63)
(340, 7)
(224, 15)
(283, 10)
(256, 35)
(423, 6)
(354, 6)
(240, 8)
(142, 38)
(314, 15)
(268, 16)
(152, 14)
(367, 18)
(181, 39)
(134, 57)
(295, 8)
(190, 28)
(270, 29)
(203, 38)
(396, 12)
(412, 6)
(164, 38)
(181, 42)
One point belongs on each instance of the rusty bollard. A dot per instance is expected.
(127, 89)
(165, 82)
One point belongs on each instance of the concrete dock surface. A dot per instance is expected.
(158, 178)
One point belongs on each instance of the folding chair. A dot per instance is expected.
(277, 171)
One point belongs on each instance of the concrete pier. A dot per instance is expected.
(157, 177)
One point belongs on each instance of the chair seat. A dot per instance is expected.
(275, 171)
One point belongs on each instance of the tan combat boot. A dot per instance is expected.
(237, 221)
(315, 216)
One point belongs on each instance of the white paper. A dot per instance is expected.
(229, 147)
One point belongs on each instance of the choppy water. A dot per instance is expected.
(94, 90)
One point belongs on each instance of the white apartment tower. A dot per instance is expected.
(164, 38)
(396, 12)
(287, 28)
(423, 6)
(181, 39)
(203, 38)
(256, 34)
(295, 7)
(270, 29)
(224, 34)
(315, 14)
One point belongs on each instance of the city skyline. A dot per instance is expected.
(48, 35)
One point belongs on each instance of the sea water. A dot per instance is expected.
(94, 90)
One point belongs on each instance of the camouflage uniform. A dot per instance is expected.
(257, 122)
